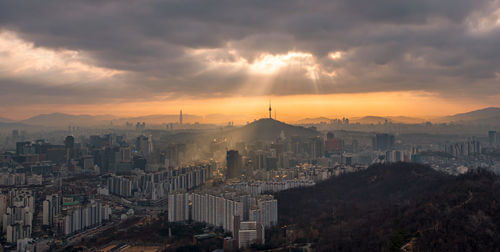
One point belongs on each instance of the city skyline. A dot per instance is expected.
(291, 109)
(222, 125)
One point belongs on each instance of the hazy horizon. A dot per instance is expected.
(285, 108)
(239, 119)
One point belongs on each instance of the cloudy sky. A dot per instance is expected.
(331, 58)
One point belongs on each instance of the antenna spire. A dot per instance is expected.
(270, 117)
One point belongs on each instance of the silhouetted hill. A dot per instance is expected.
(406, 119)
(65, 120)
(159, 119)
(369, 120)
(387, 207)
(269, 129)
(489, 115)
(5, 120)
(366, 120)
(315, 120)
(377, 184)
(393, 119)
(15, 125)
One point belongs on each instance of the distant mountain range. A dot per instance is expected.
(315, 120)
(366, 120)
(5, 120)
(393, 119)
(159, 119)
(64, 120)
(60, 119)
(488, 116)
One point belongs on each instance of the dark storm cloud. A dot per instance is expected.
(388, 45)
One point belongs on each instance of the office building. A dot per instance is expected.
(383, 142)
(234, 164)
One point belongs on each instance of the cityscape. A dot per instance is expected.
(81, 187)
(224, 126)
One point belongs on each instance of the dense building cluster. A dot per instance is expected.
(469, 147)
(231, 211)
(17, 179)
(158, 185)
(87, 181)
(83, 217)
(17, 209)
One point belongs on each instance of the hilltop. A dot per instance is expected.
(269, 130)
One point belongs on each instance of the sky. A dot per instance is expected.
(310, 58)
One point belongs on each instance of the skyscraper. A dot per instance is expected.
(69, 144)
(383, 142)
(270, 110)
(492, 137)
(332, 144)
(233, 161)
(180, 118)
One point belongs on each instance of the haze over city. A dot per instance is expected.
(264, 125)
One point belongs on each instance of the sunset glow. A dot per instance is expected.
(307, 69)
(288, 108)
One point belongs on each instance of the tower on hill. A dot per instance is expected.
(270, 109)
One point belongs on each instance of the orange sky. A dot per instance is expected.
(55, 70)
(307, 68)
(289, 108)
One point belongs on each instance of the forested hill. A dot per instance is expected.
(397, 206)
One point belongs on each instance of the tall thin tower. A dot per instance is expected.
(270, 110)
(180, 118)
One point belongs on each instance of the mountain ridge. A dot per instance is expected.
(488, 115)
(485, 115)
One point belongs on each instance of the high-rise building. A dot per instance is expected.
(46, 219)
(23, 148)
(51, 206)
(250, 232)
(470, 147)
(269, 212)
(3, 206)
(492, 137)
(180, 117)
(332, 144)
(178, 207)
(18, 218)
(383, 142)
(69, 144)
(82, 218)
(144, 145)
(233, 163)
